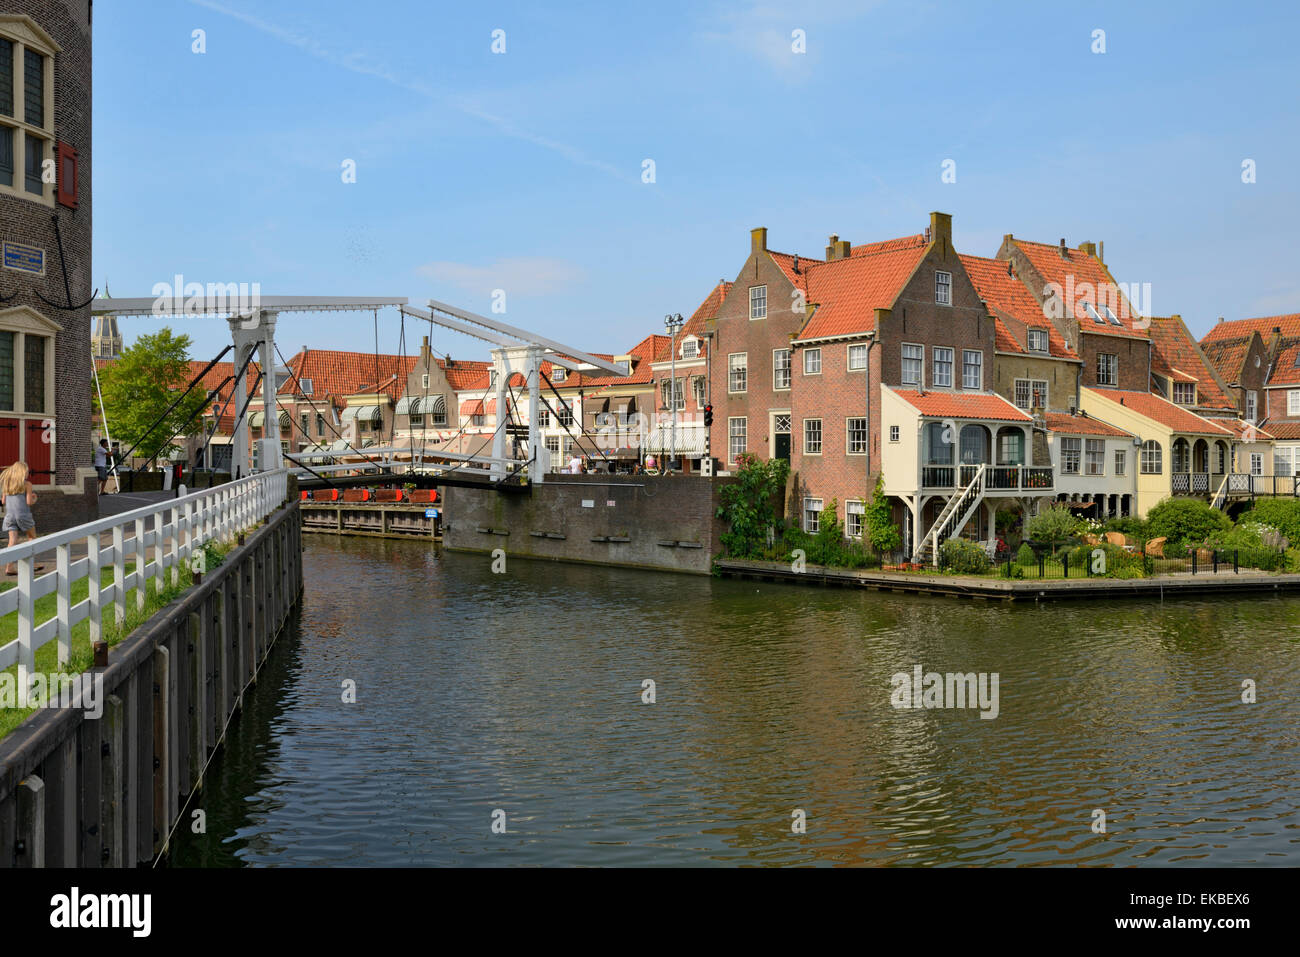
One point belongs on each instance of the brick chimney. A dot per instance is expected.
(1064, 253)
(1101, 253)
(837, 248)
(1088, 249)
(941, 229)
(758, 239)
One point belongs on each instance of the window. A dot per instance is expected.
(857, 436)
(757, 302)
(913, 359)
(1070, 449)
(553, 446)
(893, 433)
(780, 368)
(424, 381)
(320, 425)
(1037, 340)
(1256, 463)
(1114, 321)
(857, 358)
(304, 385)
(690, 348)
(938, 443)
(812, 362)
(26, 118)
(1094, 457)
(1107, 369)
(974, 441)
(853, 515)
(736, 434)
(1093, 314)
(737, 372)
(1151, 458)
(697, 387)
(559, 373)
(417, 420)
(543, 418)
(1293, 402)
(941, 372)
(812, 514)
(1011, 446)
(303, 421)
(565, 414)
(1223, 456)
(675, 402)
(1031, 393)
(1120, 456)
(1185, 393)
(972, 369)
(781, 424)
(943, 288)
(1250, 406)
(812, 436)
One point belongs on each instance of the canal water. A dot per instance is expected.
(517, 698)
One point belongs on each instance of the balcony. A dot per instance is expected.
(1239, 483)
(997, 478)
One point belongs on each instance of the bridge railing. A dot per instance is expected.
(171, 531)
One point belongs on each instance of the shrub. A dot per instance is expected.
(963, 557)
(749, 505)
(1117, 562)
(1255, 546)
(1185, 521)
(1129, 526)
(1281, 513)
(878, 521)
(1025, 557)
(1053, 524)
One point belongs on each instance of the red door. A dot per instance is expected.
(8, 442)
(38, 452)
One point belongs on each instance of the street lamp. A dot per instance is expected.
(673, 323)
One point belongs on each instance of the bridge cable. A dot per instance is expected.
(188, 389)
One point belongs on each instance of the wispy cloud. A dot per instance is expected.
(365, 65)
(764, 30)
(518, 276)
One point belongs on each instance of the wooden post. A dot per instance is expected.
(161, 748)
(31, 822)
(112, 776)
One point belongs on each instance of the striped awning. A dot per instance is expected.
(367, 413)
(421, 405)
(690, 441)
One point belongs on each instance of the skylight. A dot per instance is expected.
(1109, 315)
(1096, 317)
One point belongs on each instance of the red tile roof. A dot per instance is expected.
(1227, 356)
(847, 292)
(708, 309)
(1284, 369)
(473, 407)
(1003, 293)
(338, 373)
(962, 405)
(1240, 428)
(467, 375)
(1081, 425)
(890, 245)
(1180, 352)
(1084, 269)
(787, 263)
(1264, 325)
(1163, 411)
(1282, 429)
(642, 353)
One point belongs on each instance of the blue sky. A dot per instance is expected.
(523, 171)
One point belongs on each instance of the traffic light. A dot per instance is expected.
(708, 415)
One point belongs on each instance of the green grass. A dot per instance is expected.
(82, 655)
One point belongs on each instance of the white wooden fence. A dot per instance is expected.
(170, 531)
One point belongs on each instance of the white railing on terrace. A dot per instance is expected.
(178, 527)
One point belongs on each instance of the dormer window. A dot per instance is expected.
(1185, 393)
(690, 348)
(305, 385)
(1037, 340)
(559, 374)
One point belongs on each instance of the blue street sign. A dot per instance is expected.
(430, 513)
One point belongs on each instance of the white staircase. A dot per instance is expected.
(952, 519)
(1221, 496)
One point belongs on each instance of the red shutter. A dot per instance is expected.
(8, 442)
(67, 175)
(38, 453)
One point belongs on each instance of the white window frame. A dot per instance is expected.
(758, 302)
(559, 373)
(1107, 372)
(1184, 387)
(935, 362)
(942, 288)
(978, 365)
(809, 357)
(1252, 403)
(694, 350)
(741, 369)
(1071, 455)
(858, 349)
(781, 361)
(1042, 336)
(848, 434)
(1121, 463)
(812, 515)
(1152, 458)
(1256, 463)
(894, 433)
(918, 359)
(698, 391)
(1094, 456)
(855, 512)
(734, 453)
(820, 439)
(1029, 392)
(1293, 401)
(23, 37)
(424, 381)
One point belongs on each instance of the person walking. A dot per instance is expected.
(101, 463)
(19, 499)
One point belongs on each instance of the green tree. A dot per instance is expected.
(749, 505)
(138, 387)
(878, 520)
(1052, 524)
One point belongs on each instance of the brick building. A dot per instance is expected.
(45, 179)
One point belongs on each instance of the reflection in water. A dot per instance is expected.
(523, 692)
